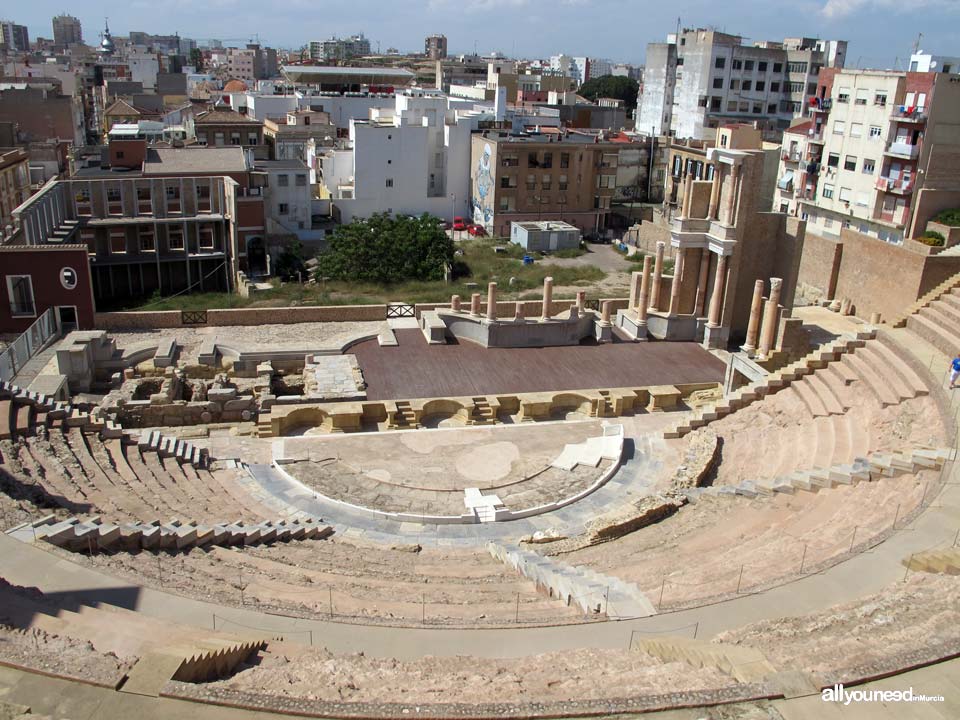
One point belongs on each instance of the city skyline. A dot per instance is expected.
(575, 27)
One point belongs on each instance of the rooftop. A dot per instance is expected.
(210, 161)
(280, 165)
(223, 117)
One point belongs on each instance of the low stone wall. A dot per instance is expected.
(243, 316)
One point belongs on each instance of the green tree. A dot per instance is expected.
(612, 86)
(388, 250)
(290, 264)
(196, 59)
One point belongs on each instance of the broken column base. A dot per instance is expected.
(715, 338)
(627, 321)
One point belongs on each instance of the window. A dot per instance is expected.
(679, 61)
(734, 84)
(861, 97)
(795, 87)
(772, 109)
(797, 67)
(762, 66)
(235, 138)
(845, 194)
(839, 127)
(118, 241)
(778, 67)
(547, 160)
(283, 180)
(301, 180)
(850, 162)
(718, 83)
(827, 190)
(562, 182)
(757, 109)
(508, 204)
(252, 138)
(68, 278)
(206, 237)
(774, 87)
(862, 199)
(748, 65)
(564, 160)
(875, 131)
(283, 208)
(761, 85)
(811, 88)
(880, 99)
(509, 161)
(218, 138)
(856, 130)
(546, 181)
(868, 166)
(532, 160)
(731, 106)
(833, 160)
(147, 242)
(89, 238)
(113, 194)
(389, 182)
(508, 181)
(720, 63)
(744, 106)
(737, 65)
(20, 294)
(747, 85)
(175, 238)
(843, 97)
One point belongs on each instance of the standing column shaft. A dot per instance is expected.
(687, 196)
(475, 304)
(714, 194)
(581, 301)
(455, 303)
(605, 312)
(716, 300)
(644, 300)
(491, 301)
(675, 285)
(634, 289)
(547, 298)
(702, 282)
(753, 326)
(732, 196)
(657, 277)
(768, 332)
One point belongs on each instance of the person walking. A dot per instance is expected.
(954, 371)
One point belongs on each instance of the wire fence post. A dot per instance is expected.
(159, 569)
(241, 587)
(804, 558)
(853, 538)
(896, 516)
(311, 637)
(606, 602)
(660, 600)
(909, 563)
(956, 538)
(517, 618)
(739, 579)
(696, 629)
(423, 606)
(330, 590)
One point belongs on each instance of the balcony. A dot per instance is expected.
(907, 114)
(791, 156)
(903, 150)
(815, 137)
(144, 207)
(820, 105)
(898, 186)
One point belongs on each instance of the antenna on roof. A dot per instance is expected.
(916, 45)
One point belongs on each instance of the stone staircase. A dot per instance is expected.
(944, 562)
(404, 416)
(482, 413)
(592, 592)
(92, 534)
(746, 664)
(264, 427)
(947, 286)
(818, 359)
(861, 470)
(168, 447)
(938, 321)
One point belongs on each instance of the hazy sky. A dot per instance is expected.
(879, 31)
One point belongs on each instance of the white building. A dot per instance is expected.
(575, 67)
(702, 79)
(409, 159)
(925, 62)
(261, 107)
(288, 197)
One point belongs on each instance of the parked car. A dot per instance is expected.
(459, 223)
(477, 231)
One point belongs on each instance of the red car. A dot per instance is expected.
(459, 224)
(477, 231)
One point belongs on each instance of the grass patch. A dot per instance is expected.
(636, 260)
(480, 262)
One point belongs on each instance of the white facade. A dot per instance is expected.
(575, 67)
(289, 196)
(144, 67)
(344, 108)
(925, 62)
(410, 159)
(260, 107)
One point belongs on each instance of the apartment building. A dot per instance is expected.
(288, 138)
(67, 31)
(339, 48)
(14, 183)
(878, 154)
(701, 79)
(13, 37)
(435, 47)
(412, 158)
(224, 128)
(570, 177)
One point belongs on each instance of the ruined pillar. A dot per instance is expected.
(634, 289)
(475, 305)
(491, 301)
(716, 299)
(732, 197)
(605, 309)
(547, 298)
(702, 282)
(644, 299)
(753, 325)
(687, 196)
(455, 303)
(714, 194)
(518, 311)
(875, 318)
(768, 331)
(675, 285)
(657, 277)
(581, 301)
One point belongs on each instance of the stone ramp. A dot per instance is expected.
(592, 592)
(746, 664)
(591, 451)
(944, 561)
(862, 469)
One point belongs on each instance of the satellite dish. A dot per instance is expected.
(933, 63)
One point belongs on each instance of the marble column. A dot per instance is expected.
(518, 311)
(634, 289)
(675, 285)
(753, 325)
(581, 301)
(702, 282)
(714, 194)
(644, 299)
(732, 196)
(716, 299)
(475, 305)
(657, 277)
(768, 331)
(547, 298)
(455, 303)
(605, 311)
(491, 301)
(687, 196)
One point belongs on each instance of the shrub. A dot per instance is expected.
(949, 217)
(932, 238)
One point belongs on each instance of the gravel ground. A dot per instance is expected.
(60, 655)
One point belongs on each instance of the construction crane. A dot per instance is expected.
(251, 40)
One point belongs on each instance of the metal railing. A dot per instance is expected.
(44, 329)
